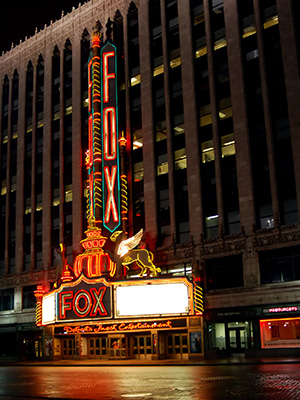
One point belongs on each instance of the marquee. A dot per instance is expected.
(96, 299)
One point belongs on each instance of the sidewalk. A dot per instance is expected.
(141, 363)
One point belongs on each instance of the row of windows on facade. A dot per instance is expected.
(227, 144)
(276, 266)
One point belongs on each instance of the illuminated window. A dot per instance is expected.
(180, 159)
(56, 116)
(161, 134)
(175, 62)
(271, 22)
(135, 80)
(178, 130)
(162, 169)
(266, 217)
(281, 332)
(228, 145)
(201, 52)
(68, 110)
(207, 151)
(68, 193)
(138, 171)
(248, 31)
(3, 187)
(212, 226)
(158, 70)
(219, 44)
(137, 140)
(28, 210)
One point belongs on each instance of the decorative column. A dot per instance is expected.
(147, 127)
(39, 303)
(169, 127)
(127, 134)
(8, 174)
(77, 184)
(33, 165)
(240, 117)
(290, 57)
(214, 114)
(190, 121)
(20, 168)
(61, 143)
(123, 184)
(47, 140)
(267, 111)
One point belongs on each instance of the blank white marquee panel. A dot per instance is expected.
(48, 309)
(152, 299)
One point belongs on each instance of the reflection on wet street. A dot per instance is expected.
(276, 381)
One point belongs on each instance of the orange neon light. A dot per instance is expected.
(109, 134)
(107, 76)
(118, 327)
(111, 206)
(278, 319)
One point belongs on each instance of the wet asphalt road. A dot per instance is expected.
(276, 382)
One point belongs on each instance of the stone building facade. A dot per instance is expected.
(209, 93)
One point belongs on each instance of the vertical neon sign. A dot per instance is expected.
(94, 157)
(110, 146)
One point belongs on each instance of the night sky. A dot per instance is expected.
(20, 18)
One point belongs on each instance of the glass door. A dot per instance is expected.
(68, 348)
(177, 345)
(117, 346)
(142, 347)
(237, 340)
(98, 347)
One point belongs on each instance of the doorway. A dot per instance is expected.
(68, 348)
(237, 340)
(237, 337)
(177, 345)
(117, 346)
(141, 346)
(97, 347)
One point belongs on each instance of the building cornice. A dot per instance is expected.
(56, 33)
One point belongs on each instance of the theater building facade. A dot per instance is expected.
(96, 311)
(148, 319)
(150, 182)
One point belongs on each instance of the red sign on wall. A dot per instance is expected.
(84, 301)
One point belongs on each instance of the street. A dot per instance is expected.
(206, 382)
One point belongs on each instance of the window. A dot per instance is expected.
(6, 299)
(212, 226)
(280, 265)
(138, 169)
(224, 272)
(283, 332)
(28, 297)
